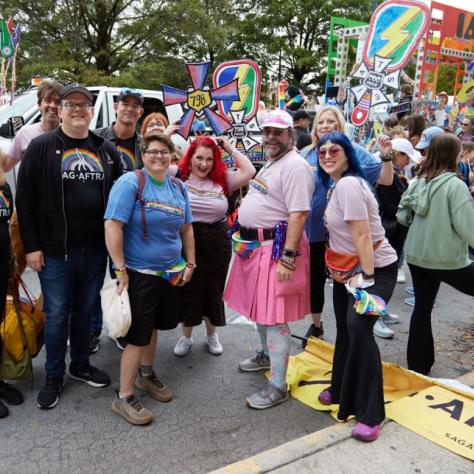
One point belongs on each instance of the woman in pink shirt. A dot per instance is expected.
(355, 231)
(209, 183)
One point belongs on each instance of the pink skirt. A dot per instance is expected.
(253, 290)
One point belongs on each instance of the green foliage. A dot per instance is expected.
(145, 43)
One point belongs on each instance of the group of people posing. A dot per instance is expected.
(169, 244)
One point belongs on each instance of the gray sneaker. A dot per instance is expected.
(380, 330)
(391, 318)
(267, 396)
(132, 410)
(260, 362)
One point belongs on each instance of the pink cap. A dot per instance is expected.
(278, 119)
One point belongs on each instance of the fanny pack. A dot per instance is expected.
(343, 265)
(173, 275)
(243, 248)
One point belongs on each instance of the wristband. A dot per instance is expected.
(290, 253)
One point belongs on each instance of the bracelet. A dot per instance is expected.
(386, 158)
(191, 265)
(288, 262)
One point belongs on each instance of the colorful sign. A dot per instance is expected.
(395, 30)
(247, 73)
(247, 133)
(199, 98)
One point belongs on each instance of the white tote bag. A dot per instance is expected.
(115, 309)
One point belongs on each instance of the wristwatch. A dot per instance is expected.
(289, 253)
(367, 276)
(386, 158)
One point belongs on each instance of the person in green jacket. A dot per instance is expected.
(439, 211)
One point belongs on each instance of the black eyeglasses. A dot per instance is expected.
(71, 106)
(155, 153)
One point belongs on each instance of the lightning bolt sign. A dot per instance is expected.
(247, 75)
(396, 34)
(395, 30)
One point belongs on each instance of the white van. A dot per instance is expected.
(25, 106)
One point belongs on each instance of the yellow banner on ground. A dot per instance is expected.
(447, 418)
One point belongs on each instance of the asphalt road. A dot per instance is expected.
(207, 424)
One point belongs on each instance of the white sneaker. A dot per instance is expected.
(183, 345)
(381, 330)
(391, 319)
(401, 278)
(215, 347)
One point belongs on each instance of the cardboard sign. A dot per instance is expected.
(247, 73)
(198, 99)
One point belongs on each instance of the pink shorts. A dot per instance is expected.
(253, 290)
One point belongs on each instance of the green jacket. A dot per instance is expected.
(440, 215)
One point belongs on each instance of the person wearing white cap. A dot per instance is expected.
(269, 279)
(389, 197)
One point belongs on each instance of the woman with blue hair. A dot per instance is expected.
(329, 119)
(358, 254)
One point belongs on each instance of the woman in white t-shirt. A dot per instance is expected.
(355, 229)
(209, 183)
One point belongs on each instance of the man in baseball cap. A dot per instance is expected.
(123, 134)
(76, 87)
(262, 287)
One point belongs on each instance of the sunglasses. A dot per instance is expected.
(133, 92)
(465, 124)
(333, 152)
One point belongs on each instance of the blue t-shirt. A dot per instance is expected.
(315, 229)
(166, 209)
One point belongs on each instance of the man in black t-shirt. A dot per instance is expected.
(63, 186)
(123, 134)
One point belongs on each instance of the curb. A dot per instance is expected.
(290, 452)
(304, 446)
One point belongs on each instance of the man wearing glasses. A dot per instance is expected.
(269, 284)
(123, 132)
(63, 186)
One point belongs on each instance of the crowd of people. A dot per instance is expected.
(157, 214)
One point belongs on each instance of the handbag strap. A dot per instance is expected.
(27, 291)
(17, 307)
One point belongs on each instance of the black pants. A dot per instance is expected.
(420, 350)
(4, 276)
(317, 273)
(357, 383)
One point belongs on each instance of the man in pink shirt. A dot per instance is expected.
(269, 280)
(48, 102)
